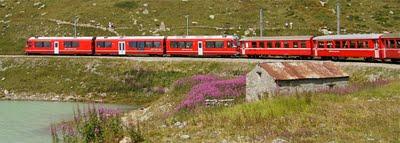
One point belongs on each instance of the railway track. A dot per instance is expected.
(203, 59)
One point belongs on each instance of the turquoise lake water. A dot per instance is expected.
(29, 121)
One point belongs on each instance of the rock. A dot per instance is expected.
(94, 4)
(279, 140)
(126, 140)
(162, 26)
(2, 79)
(391, 12)
(177, 124)
(103, 94)
(70, 98)
(37, 3)
(6, 92)
(8, 15)
(155, 20)
(146, 4)
(323, 2)
(145, 11)
(41, 7)
(185, 137)
(212, 17)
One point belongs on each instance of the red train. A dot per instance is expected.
(368, 46)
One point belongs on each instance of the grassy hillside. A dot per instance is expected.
(21, 19)
(120, 81)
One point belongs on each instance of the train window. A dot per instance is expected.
(210, 44)
(321, 44)
(360, 44)
(353, 44)
(149, 44)
(392, 44)
(254, 44)
(174, 44)
(269, 44)
(71, 44)
(277, 44)
(214, 44)
(346, 44)
(181, 45)
(42, 44)
(295, 44)
(398, 43)
(262, 45)
(141, 45)
(219, 44)
(231, 44)
(132, 44)
(329, 44)
(189, 45)
(337, 44)
(303, 44)
(157, 44)
(104, 44)
(286, 44)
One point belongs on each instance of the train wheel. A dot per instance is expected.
(369, 59)
(394, 60)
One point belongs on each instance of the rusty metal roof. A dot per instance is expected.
(303, 70)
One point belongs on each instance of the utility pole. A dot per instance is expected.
(187, 25)
(261, 22)
(75, 25)
(338, 17)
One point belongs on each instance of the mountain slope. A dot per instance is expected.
(21, 19)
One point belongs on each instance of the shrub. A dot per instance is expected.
(95, 125)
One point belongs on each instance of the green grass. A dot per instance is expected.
(123, 81)
(308, 16)
(364, 116)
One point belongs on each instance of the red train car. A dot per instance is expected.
(365, 46)
(202, 45)
(391, 45)
(135, 45)
(60, 45)
(299, 46)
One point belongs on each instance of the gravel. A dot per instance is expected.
(203, 59)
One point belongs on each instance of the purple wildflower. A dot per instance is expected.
(212, 87)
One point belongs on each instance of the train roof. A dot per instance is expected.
(348, 37)
(391, 35)
(60, 38)
(131, 37)
(276, 38)
(202, 37)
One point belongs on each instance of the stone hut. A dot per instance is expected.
(268, 79)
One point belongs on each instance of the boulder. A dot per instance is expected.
(212, 17)
(126, 140)
(185, 137)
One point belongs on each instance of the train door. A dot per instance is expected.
(200, 48)
(56, 47)
(121, 48)
(376, 49)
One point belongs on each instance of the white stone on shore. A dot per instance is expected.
(185, 137)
